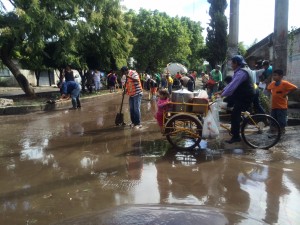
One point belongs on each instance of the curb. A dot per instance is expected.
(25, 109)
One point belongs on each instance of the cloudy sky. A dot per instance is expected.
(256, 16)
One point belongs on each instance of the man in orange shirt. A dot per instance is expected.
(279, 89)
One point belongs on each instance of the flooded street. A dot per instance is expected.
(76, 167)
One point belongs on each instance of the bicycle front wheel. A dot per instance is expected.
(260, 131)
(183, 131)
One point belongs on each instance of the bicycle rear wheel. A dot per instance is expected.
(260, 131)
(183, 131)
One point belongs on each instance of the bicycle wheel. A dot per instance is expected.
(260, 131)
(183, 131)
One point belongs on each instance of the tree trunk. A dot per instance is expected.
(21, 79)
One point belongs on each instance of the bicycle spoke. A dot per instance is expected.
(183, 131)
(260, 131)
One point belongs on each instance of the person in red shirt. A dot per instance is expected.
(178, 76)
(280, 89)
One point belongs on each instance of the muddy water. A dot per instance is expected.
(75, 167)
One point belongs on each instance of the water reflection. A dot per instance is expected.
(62, 166)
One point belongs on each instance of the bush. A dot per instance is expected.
(265, 102)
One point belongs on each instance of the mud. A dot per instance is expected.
(76, 167)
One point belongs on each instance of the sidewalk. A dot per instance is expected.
(45, 92)
(8, 92)
(14, 91)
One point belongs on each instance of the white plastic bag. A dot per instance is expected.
(210, 128)
(202, 94)
(214, 109)
(262, 85)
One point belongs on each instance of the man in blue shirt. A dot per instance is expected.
(71, 88)
(241, 92)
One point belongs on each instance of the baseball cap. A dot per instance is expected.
(239, 59)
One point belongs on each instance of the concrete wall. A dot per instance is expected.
(293, 61)
(8, 79)
(264, 50)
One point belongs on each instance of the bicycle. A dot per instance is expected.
(183, 129)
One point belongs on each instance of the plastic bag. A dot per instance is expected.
(202, 94)
(210, 128)
(214, 110)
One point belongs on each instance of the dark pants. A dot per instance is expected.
(256, 104)
(239, 106)
(281, 116)
(190, 85)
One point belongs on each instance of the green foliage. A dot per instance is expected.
(197, 43)
(242, 49)
(216, 40)
(55, 33)
(265, 102)
(96, 34)
(161, 39)
(291, 37)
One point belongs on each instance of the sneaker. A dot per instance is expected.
(233, 140)
(73, 108)
(138, 126)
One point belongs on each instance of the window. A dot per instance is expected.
(4, 73)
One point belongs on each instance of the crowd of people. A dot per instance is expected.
(240, 91)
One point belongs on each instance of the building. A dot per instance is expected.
(264, 50)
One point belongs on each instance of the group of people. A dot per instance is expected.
(94, 79)
(135, 84)
(213, 81)
(241, 91)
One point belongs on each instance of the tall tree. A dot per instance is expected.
(160, 39)
(197, 43)
(216, 40)
(78, 29)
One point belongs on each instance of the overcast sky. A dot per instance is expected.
(256, 16)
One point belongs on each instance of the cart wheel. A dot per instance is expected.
(183, 131)
(260, 131)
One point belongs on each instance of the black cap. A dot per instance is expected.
(124, 68)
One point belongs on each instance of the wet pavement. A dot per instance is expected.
(76, 167)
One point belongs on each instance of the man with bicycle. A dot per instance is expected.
(240, 91)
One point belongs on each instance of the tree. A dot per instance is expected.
(216, 40)
(197, 43)
(242, 49)
(78, 29)
(160, 39)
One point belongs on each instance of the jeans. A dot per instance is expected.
(97, 85)
(75, 97)
(135, 108)
(281, 116)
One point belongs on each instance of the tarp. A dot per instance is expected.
(173, 68)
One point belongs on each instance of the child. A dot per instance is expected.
(162, 104)
(279, 89)
(153, 89)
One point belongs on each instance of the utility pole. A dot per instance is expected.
(233, 38)
(280, 36)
